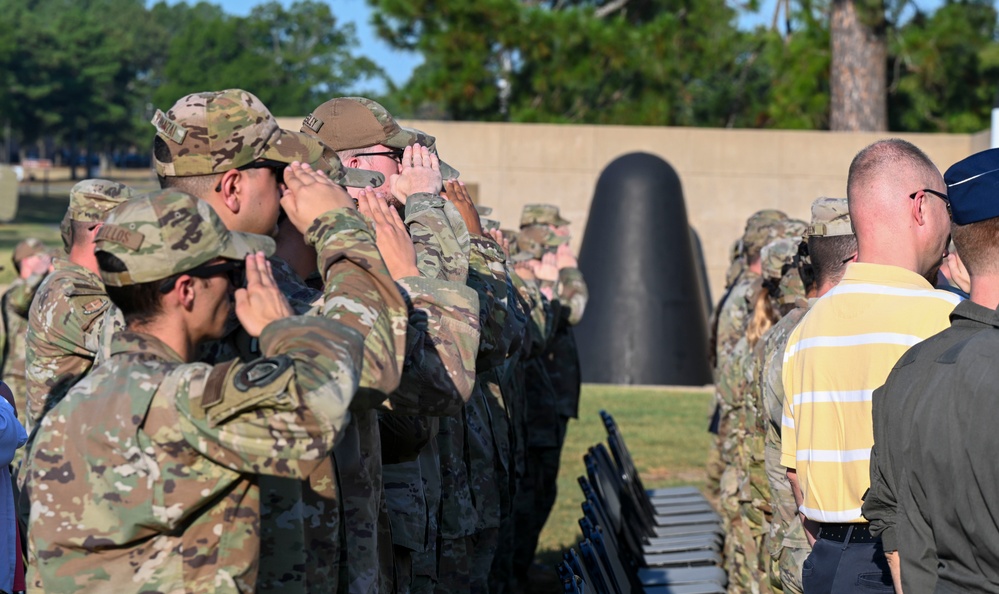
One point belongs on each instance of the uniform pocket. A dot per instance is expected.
(875, 582)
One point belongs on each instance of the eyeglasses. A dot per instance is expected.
(939, 195)
(231, 268)
(395, 154)
(275, 166)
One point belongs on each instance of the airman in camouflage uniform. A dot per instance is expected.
(227, 134)
(553, 375)
(728, 324)
(71, 306)
(784, 287)
(161, 455)
(786, 541)
(439, 375)
(734, 382)
(32, 261)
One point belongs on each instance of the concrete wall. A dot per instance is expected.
(727, 174)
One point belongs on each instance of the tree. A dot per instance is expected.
(944, 72)
(72, 68)
(667, 62)
(859, 65)
(292, 58)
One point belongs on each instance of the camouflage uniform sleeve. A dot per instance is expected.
(64, 332)
(440, 237)
(280, 414)
(113, 323)
(487, 275)
(537, 320)
(20, 294)
(572, 294)
(441, 343)
(360, 293)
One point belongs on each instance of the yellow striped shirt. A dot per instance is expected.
(843, 350)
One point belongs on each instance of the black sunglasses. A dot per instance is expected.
(395, 154)
(234, 269)
(276, 166)
(939, 195)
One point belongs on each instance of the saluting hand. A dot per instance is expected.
(501, 239)
(310, 194)
(391, 235)
(457, 194)
(565, 257)
(421, 172)
(547, 268)
(261, 302)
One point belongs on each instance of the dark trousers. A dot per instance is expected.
(842, 567)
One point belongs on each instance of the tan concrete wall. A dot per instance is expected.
(726, 174)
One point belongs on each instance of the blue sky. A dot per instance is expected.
(399, 65)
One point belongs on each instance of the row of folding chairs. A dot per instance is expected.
(635, 540)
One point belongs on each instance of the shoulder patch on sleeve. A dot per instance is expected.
(259, 373)
(215, 385)
(95, 306)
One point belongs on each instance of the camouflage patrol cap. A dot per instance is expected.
(534, 241)
(89, 202)
(777, 263)
(489, 224)
(761, 228)
(776, 255)
(214, 132)
(484, 211)
(541, 214)
(169, 232)
(830, 217)
(794, 228)
(348, 123)
(27, 248)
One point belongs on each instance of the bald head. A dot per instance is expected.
(891, 228)
(887, 168)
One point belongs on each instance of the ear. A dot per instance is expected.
(92, 232)
(231, 186)
(353, 162)
(919, 209)
(184, 291)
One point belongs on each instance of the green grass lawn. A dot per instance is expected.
(666, 432)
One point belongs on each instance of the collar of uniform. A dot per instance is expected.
(969, 310)
(67, 265)
(127, 341)
(883, 274)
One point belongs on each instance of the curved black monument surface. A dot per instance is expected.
(645, 322)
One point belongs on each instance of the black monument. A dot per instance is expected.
(646, 320)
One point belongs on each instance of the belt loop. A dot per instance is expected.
(849, 534)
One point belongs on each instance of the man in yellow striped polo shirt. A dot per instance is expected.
(844, 349)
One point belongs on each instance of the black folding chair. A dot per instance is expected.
(627, 465)
(596, 569)
(571, 558)
(612, 482)
(710, 578)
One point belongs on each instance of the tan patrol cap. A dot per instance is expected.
(830, 218)
(349, 123)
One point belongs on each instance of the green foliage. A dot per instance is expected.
(947, 69)
(292, 58)
(88, 71)
(71, 67)
(682, 62)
